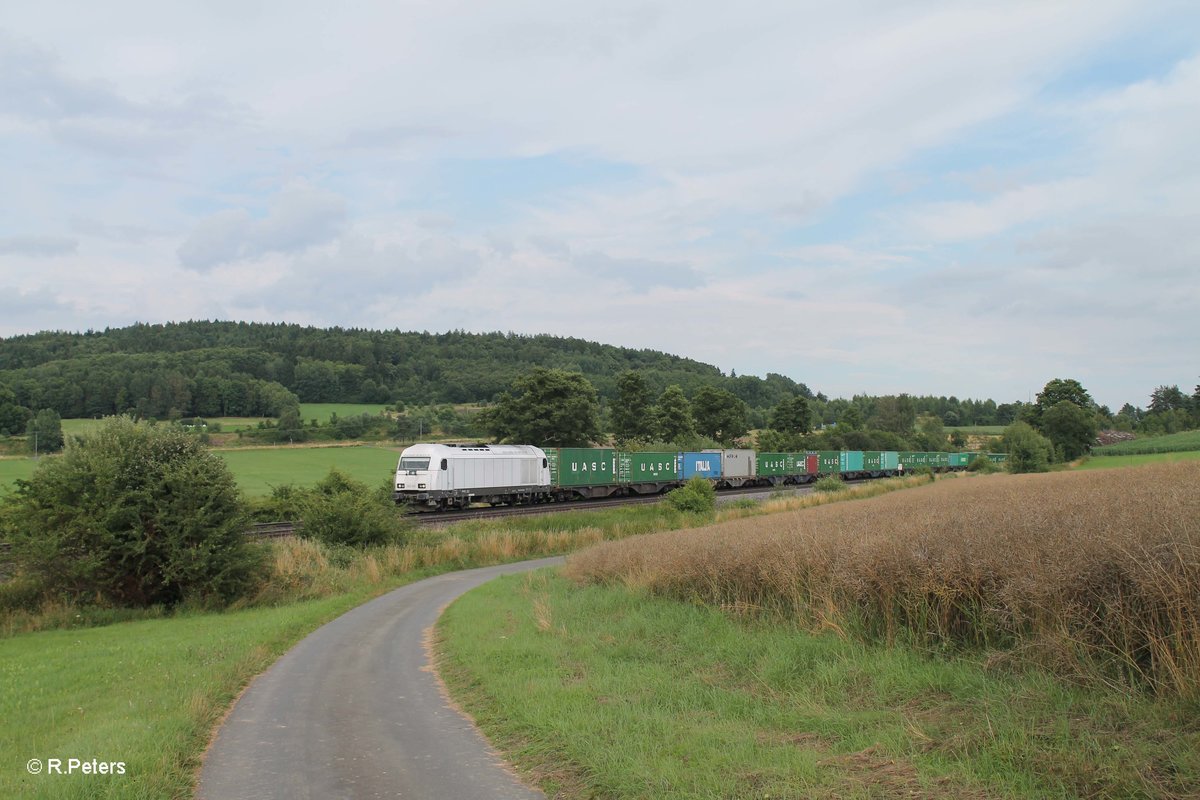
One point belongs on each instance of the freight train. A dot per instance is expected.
(443, 476)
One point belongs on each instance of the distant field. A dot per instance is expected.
(232, 424)
(259, 470)
(317, 411)
(13, 468)
(1108, 462)
(77, 426)
(1171, 443)
(977, 430)
(321, 411)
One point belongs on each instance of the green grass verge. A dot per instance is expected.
(598, 692)
(259, 470)
(1110, 462)
(1171, 443)
(147, 693)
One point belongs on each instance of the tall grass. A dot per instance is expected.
(1095, 577)
(303, 569)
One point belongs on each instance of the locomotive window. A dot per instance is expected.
(545, 463)
(443, 463)
(414, 463)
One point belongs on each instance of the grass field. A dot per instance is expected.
(600, 691)
(1171, 443)
(322, 411)
(13, 468)
(258, 470)
(1112, 462)
(977, 430)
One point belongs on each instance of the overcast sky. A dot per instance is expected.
(879, 197)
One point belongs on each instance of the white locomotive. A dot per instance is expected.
(454, 476)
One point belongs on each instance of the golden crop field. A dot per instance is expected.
(1090, 573)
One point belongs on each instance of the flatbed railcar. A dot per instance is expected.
(440, 476)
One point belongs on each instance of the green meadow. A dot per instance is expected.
(13, 468)
(321, 412)
(977, 430)
(259, 470)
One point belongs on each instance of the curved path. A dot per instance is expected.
(353, 711)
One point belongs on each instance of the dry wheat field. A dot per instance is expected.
(1096, 575)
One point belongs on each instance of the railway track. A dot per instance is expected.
(433, 519)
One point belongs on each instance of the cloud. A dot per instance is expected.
(636, 273)
(299, 217)
(40, 246)
(93, 115)
(1001, 169)
(357, 273)
(38, 309)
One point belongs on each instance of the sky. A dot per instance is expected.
(943, 198)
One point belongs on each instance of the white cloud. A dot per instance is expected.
(46, 246)
(321, 166)
(297, 218)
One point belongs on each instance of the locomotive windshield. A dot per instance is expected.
(414, 463)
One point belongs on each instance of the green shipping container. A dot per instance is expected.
(776, 464)
(829, 462)
(939, 459)
(850, 461)
(880, 461)
(997, 458)
(961, 459)
(582, 466)
(912, 459)
(647, 467)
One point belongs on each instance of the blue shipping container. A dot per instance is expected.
(706, 465)
(851, 461)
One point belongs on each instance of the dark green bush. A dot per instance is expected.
(1028, 450)
(133, 515)
(982, 463)
(829, 484)
(341, 510)
(697, 496)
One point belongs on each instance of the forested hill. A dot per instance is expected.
(238, 368)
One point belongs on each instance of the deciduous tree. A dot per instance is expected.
(719, 414)
(632, 412)
(45, 432)
(1072, 429)
(791, 416)
(673, 415)
(548, 408)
